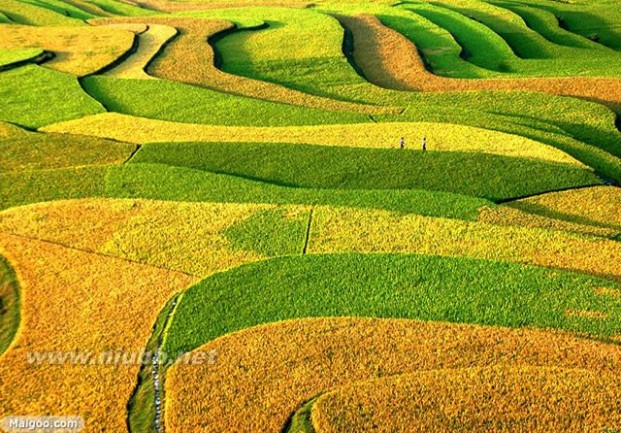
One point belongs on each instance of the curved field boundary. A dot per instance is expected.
(160, 182)
(78, 311)
(33, 96)
(446, 289)
(24, 13)
(19, 57)
(89, 7)
(497, 399)
(262, 375)
(441, 136)
(189, 6)
(390, 60)
(598, 23)
(9, 305)
(481, 46)
(190, 58)
(78, 51)
(150, 43)
(360, 169)
(511, 27)
(595, 210)
(548, 25)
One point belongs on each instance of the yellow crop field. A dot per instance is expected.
(440, 136)
(186, 237)
(592, 210)
(78, 50)
(498, 399)
(511, 216)
(596, 205)
(72, 303)
(389, 59)
(149, 43)
(263, 374)
(355, 230)
(8, 130)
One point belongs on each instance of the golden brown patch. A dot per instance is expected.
(263, 374)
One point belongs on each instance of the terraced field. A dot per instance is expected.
(338, 216)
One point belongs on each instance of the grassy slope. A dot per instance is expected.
(61, 8)
(155, 181)
(25, 13)
(167, 100)
(32, 151)
(8, 57)
(329, 74)
(488, 176)
(33, 96)
(9, 305)
(423, 287)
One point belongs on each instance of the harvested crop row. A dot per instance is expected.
(390, 60)
(149, 44)
(76, 307)
(78, 51)
(349, 230)
(440, 136)
(190, 59)
(263, 374)
(499, 399)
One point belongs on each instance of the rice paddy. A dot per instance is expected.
(357, 216)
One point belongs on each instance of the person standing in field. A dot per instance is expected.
(402, 143)
(424, 144)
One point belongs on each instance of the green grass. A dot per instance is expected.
(481, 46)
(547, 25)
(32, 151)
(33, 96)
(487, 176)
(8, 57)
(28, 187)
(22, 12)
(62, 8)
(9, 305)
(123, 9)
(389, 286)
(141, 406)
(168, 100)
(437, 45)
(586, 18)
(159, 182)
(280, 234)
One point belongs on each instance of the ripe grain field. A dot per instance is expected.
(295, 217)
